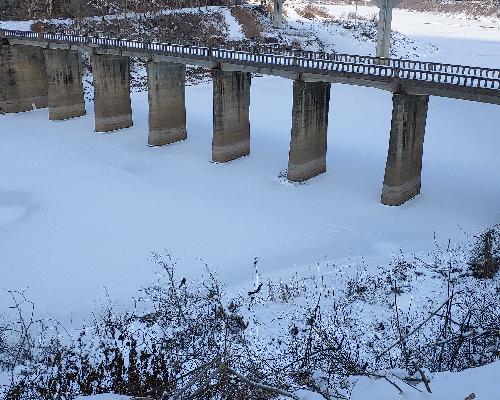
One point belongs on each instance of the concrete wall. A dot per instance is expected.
(167, 103)
(307, 157)
(23, 78)
(112, 104)
(404, 161)
(64, 71)
(231, 122)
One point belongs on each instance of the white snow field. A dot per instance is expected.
(450, 38)
(81, 212)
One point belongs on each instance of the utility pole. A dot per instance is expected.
(278, 13)
(384, 26)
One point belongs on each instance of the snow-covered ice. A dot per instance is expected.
(85, 209)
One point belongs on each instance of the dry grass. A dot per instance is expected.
(249, 21)
(311, 11)
(470, 7)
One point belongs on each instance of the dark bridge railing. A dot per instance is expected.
(276, 57)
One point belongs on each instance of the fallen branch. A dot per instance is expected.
(422, 375)
(192, 381)
(260, 385)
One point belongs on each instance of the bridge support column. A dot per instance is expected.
(231, 110)
(64, 70)
(23, 78)
(307, 158)
(404, 160)
(112, 104)
(167, 103)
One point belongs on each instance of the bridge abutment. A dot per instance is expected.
(231, 115)
(112, 103)
(64, 70)
(23, 78)
(311, 102)
(167, 103)
(403, 169)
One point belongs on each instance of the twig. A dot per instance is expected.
(416, 328)
(393, 384)
(193, 380)
(473, 335)
(206, 382)
(422, 375)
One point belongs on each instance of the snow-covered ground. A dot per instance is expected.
(482, 382)
(447, 38)
(80, 212)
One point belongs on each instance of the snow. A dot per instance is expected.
(235, 31)
(98, 204)
(104, 397)
(482, 381)
(80, 212)
(445, 38)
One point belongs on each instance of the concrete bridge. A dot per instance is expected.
(45, 70)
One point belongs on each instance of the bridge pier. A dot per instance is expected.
(167, 103)
(231, 110)
(311, 102)
(64, 72)
(403, 169)
(112, 104)
(23, 78)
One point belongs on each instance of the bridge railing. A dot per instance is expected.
(314, 62)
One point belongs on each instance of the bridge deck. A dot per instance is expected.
(396, 75)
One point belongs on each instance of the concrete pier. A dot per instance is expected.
(113, 108)
(64, 71)
(231, 110)
(167, 103)
(23, 78)
(404, 160)
(311, 101)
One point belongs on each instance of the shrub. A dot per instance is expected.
(484, 261)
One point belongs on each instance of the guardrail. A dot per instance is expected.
(279, 57)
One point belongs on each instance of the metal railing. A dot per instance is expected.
(278, 57)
